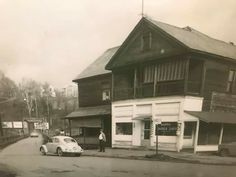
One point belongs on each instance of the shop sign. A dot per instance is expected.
(7, 125)
(166, 129)
(17, 125)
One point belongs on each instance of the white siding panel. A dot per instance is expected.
(123, 111)
(168, 118)
(167, 108)
(144, 109)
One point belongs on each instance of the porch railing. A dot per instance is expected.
(162, 89)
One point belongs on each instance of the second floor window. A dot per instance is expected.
(146, 41)
(106, 91)
(231, 79)
(148, 74)
(106, 95)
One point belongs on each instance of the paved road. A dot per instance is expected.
(24, 159)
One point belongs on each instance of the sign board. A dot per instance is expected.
(166, 129)
(41, 125)
(7, 125)
(17, 125)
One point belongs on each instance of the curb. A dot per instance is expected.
(173, 159)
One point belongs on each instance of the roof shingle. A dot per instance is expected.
(98, 66)
(197, 40)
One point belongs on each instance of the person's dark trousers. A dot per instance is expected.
(102, 146)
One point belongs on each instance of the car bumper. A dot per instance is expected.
(34, 135)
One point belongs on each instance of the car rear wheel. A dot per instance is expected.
(224, 153)
(42, 151)
(59, 152)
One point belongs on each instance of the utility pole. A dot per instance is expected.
(1, 130)
(142, 8)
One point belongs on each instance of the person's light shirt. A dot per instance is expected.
(100, 136)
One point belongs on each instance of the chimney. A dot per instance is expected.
(188, 28)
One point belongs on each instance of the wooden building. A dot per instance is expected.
(94, 112)
(174, 79)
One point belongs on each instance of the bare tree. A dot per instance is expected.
(30, 91)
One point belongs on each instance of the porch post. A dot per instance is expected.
(196, 137)
(186, 73)
(155, 81)
(221, 133)
(135, 82)
(69, 126)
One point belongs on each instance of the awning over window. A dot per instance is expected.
(214, 117)
(143, 117)
(90, 111)
(94, 122)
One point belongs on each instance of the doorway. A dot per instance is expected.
(146, 129)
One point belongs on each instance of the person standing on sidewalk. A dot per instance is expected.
(102, 141)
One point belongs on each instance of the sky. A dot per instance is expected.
(54, 40)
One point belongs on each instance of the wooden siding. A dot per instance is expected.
(223, 102)
(215, 80)
(123, 84)
(160, 47)
(195, 76)
(90, 90)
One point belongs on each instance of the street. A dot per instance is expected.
(24, 159)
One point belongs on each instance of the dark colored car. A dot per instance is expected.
(227, 149)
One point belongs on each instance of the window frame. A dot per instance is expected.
(168, 130)
(130, 132)
(106, 97)
(146, 41)
(230, 83)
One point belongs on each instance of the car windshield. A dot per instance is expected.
(69, 140)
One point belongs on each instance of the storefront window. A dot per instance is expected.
(124, 129)
(189, 128)
(209, 133)
(166, 129)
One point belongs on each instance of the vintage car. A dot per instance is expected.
(34, 134)
(227, 149)
(61, 145)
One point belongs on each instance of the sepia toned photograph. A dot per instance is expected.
(117, 88)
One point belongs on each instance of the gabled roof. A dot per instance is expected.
(188, 37)
(98, 66)
(197, 40)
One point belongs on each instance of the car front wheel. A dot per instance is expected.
(42, 151)
(224, 153)
(59, 152)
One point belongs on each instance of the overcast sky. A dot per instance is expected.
(54, 40)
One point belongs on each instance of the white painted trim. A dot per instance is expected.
(196, 137)
(207, 148)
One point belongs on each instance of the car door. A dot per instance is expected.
(55, 144)
(49, 145)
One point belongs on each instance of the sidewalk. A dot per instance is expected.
(185, 157)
